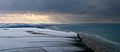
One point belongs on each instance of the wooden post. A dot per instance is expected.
(79, 38)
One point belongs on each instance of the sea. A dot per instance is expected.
(108, 31)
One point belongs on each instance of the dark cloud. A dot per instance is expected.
(87, 10)
(107, 8)
(58, 6)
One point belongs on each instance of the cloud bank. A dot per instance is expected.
(80, 11)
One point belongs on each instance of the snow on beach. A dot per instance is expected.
(34, 39)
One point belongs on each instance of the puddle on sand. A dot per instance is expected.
(35, 33)
(5, 29)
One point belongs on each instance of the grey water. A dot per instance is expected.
(107, 31)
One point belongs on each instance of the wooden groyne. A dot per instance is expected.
(98, 44)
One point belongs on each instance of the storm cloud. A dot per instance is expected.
(59, 6)
(79, 10)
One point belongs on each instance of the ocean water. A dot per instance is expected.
(107, 31)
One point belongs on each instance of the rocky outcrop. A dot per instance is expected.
(99, 44)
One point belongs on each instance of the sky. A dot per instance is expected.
(59, 11)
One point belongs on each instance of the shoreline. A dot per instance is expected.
(99, 44)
